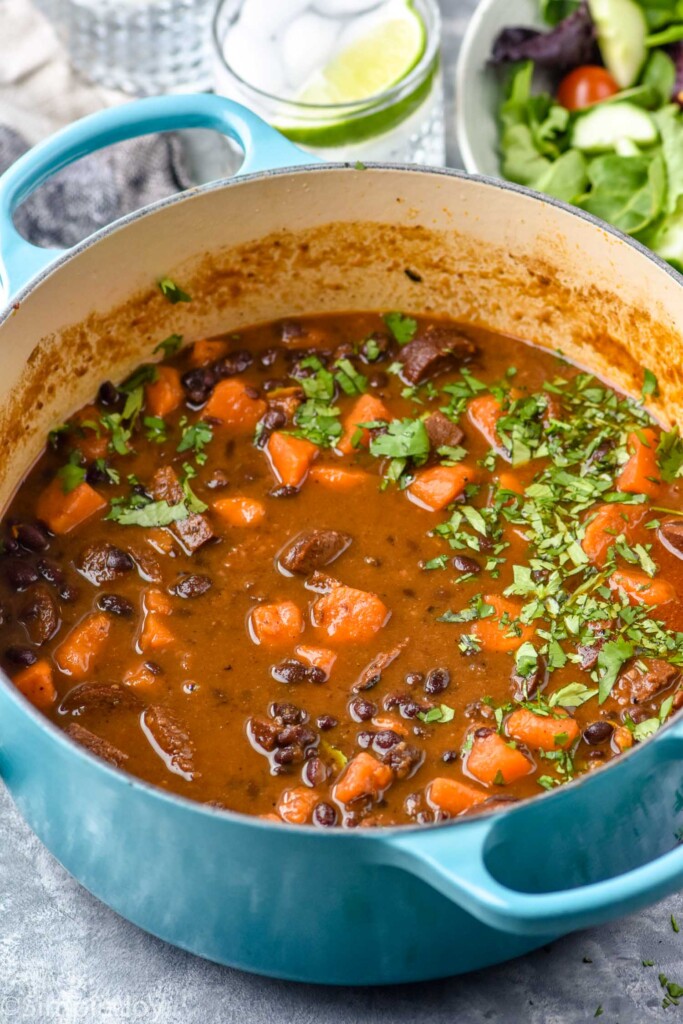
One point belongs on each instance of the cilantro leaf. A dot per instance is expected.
(404, 439)
(169, 346)
(650, 385)
(195, 437)
(171, 291)
(572, 696)
(348, 378)
(401, 326)
(670, 455)
(72, 474)
(443, 713)
(611, 657)
(148, 513)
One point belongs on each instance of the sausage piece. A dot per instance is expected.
(102, 563)
(96, 745)
(372, 673)
(103, 696)
(442, 431)
(193, 531)
(671, 535)
(433, 351)
(40, 615)
(643, 680)
(313, 549)
(171, 738)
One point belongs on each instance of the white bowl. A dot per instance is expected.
(478, 89)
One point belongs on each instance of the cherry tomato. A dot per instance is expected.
(584, 86)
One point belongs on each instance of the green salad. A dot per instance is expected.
(605, 132)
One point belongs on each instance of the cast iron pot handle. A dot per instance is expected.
(453, 860)
(264, 149)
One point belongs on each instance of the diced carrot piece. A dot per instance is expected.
(366, 409)
(155, 633)
(438, 486)
(290, 457)
(91, 446)
(510, 482)
(348, 615)
(35, 682)
(164, 394)
(296, 805)
(603, 529)
(233, 405)
(363, 776)
(622, 738)
(240, 511)
(484, 412)
(494, 636)
(338, 479)
(139, 677)
(274, 625)
(207, 350)
(392, 722)
(452, 796)
(640, 589)
(319, 657)
(493, 761)
(63, 512)
(556, 731)
(641, 473)
(77, 653)
(157, 601)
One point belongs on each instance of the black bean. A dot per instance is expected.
(272, 420)
(51, 572)
(269, 356)
(597, 732)
(314, 772)
(386, 738)
(233, 364)
(438, 680)
(378, 380)
(283, 491)
(11, 546)
(274, 384)
(324, 815)
(289, 713)
(410, 709)
(154, 668)
(120, 560)
(95, 474)
(108, 394)
(68, 593)
(483, 732)
(413, 678)
(116, 605)
(325, 722)
(193, 585)
(23, 656)
(31, 536)
(365, 738)
(198, 384)
(314, 674)
(464, 564)
(290, 671)
(362, 710)
(540, 575)
(301, 735)
(21, 575)
(449, 756)
(288, 755)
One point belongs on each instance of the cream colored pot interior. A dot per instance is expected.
(331, 240)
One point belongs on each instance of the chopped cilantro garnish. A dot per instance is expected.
(155, 429)
(650, 385)
(403, 328)
(169, 346)
(347, 377)
(442, 713)
(670, 455)
(72, 474)
(147, 513)
(195, 438)
(171, 291)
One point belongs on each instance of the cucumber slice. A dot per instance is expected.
(621, 29)
(605, 126)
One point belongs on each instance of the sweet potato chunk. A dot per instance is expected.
(78, 652)
(364, 776)
(346, 615)
(494, 761)
(64, 512)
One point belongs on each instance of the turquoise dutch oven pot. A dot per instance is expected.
(339, 907)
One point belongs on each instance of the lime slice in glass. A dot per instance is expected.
(372, 64)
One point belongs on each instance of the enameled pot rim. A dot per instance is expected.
(147, 788)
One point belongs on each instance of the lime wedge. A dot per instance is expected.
(373, 63)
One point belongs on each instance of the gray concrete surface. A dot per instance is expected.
(67, 959)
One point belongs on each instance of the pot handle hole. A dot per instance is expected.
(264, 149)
(603, 847)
